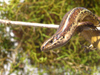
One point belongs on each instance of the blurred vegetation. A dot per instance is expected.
(73, 58)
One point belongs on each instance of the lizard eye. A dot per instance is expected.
(51, 41)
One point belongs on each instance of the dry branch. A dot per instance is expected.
(31, 24)
(28, 24)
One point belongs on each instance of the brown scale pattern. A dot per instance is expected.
(67, 30)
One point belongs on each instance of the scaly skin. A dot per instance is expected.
(71, 22)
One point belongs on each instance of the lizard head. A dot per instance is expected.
(55, 42)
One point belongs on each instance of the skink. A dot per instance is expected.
(73, 21)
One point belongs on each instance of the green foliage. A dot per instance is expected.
(72, 58)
